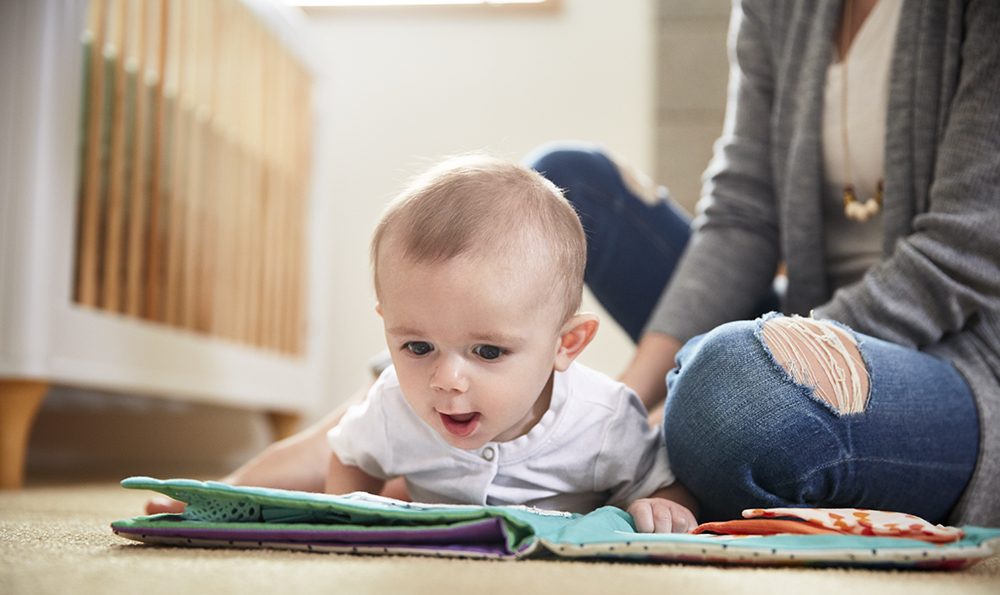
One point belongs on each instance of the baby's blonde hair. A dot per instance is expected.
(479, 205)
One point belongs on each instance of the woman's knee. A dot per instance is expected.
(571, 165)
(566, 163)
(751, 422)
(748, 364)
(822, 357)
(735, 423)
(561, 155)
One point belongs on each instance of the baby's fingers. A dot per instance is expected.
(664, 519)
(642, 514)
(659, 515)
(161, 504)
(683, 519)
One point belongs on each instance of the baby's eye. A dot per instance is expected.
(488, 351)
(418, 347)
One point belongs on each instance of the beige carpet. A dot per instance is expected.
(55, 539)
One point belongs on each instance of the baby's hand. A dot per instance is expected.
(161, 504)
(659, 515)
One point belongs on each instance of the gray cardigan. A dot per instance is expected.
(937, 287)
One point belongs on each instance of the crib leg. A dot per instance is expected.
(283, 423)
(19, 402)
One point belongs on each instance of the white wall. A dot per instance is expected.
(404, 88)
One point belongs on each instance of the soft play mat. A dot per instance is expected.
(221, 515)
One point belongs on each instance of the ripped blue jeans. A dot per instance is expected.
(748, 422)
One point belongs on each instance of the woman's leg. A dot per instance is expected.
(635, 233)
(760, 415)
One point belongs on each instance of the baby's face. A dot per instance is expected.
(474, 344)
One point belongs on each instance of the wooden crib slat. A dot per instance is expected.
(167, 187)
(194, 155)
(284, 122)
(223, 296)
(243, 240)
(111, 281)
(89, 229)
(154, 240)
(291, 231)
(288, 157)
(202, 304)
(267, 206)
(139, 182)
(186, 228)
(255, 218)
(303, 143)
(289, 100)
(226, 320)
(209, 199)
(87, 50)
(276, 199)
(235, 112)
(180, 141)
(263, 247)
(237, 174)
(283, 235)
(301, 109)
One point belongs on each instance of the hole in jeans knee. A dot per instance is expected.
(821, 356)
(636, 181)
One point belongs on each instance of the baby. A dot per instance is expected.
(478, 271)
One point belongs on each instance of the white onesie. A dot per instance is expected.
(592, 447)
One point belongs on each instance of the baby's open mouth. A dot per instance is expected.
(460, 424)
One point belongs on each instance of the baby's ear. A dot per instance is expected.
(574, 336)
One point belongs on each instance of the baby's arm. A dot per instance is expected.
(667, 510)
(343, 479)
(299, 462)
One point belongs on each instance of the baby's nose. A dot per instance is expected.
(449, 375)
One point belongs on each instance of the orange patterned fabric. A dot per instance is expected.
(857, 521)
(761, 527)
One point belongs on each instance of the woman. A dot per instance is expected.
(861, 149)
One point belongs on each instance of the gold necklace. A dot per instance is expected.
(854, 209)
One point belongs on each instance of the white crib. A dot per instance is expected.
(155, 191)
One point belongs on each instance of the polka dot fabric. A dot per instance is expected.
(212, 509)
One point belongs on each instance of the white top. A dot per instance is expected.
(592, 447)
(853, 247)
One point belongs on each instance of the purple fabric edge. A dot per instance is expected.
(486, 535)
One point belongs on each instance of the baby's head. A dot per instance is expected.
(479, 272)
(484, 208)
